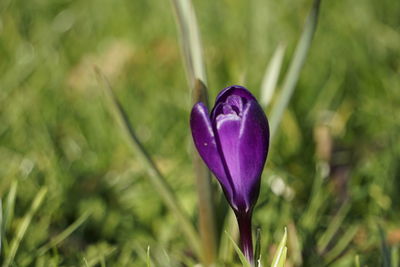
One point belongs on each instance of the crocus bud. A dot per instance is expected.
(233, 142)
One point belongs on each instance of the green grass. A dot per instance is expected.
(58, 134)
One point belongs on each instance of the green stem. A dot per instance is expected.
(195, 71)
(296, 66)
(204, 192)
(156, 178)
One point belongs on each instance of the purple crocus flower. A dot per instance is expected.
(233, 142)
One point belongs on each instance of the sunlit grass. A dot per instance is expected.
(332, 172)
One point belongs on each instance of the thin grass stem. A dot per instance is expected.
(296, 66)
(280, 254)
(9, 205)
(342, 244)
(23, 227)
(190, 41)
(226, 249)
(270, 80)
(204, 192)
(64, 234)
(1, 224)
(156, 178)
(195, 70)
(100, 259)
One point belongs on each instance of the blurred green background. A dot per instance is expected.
(335, 157)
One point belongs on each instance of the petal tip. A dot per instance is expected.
(234, 89)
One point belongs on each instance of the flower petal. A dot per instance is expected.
(234, 90)
(253, 149)
(233, 142)
(227, 131)
(204, 140)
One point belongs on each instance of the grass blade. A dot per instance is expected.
(333, 227)
(156, 178)
(190, 41)
(9, 206)
(296, 65)
(148, 260)
(23, 227)
(342, 244)
(282, 259)
(395, 256)
(207, 222)
(1, 224)
(295, 246)
(318, 200)
(280, 254)
(226, 252)
(195, 70)
(242, 258)
(385, 250)
(357, 261)
(271, 76)
(64, 234)
(257, 251)
(100, 259)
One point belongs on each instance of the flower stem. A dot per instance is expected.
(246, 240)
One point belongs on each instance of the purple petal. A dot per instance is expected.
(234, 144)
(231, 95)
(244, 147)
(204, 140)
(253, 150)
(228, 128)
(236, 103)
(234, 90)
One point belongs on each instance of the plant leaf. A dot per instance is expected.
(23, 227)
(195, 71)
(9, 205)
(395, 256)
(282, 259)
(271, 76)
(257, 251)
(1, 224)
(357, 261)
(190, 41)
(148, 260)
(342, 244)
(386, 255)
(226, 248)
(333, 227)
(64, 234)
(296, 65)
(207, 221)
(156, 178)
(100, 259)
(242, 258)
(280, 254)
